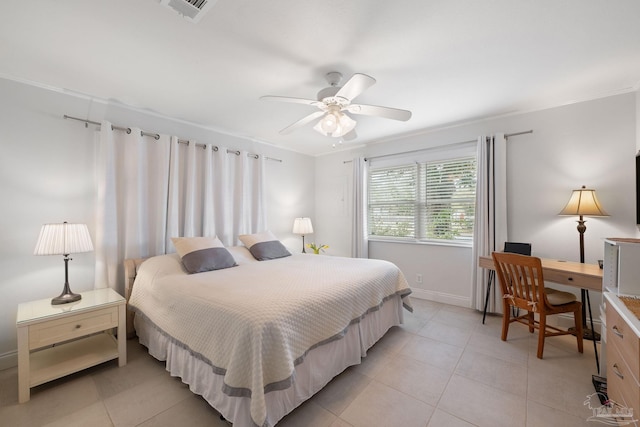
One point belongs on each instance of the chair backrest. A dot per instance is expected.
(521, 280)
(517, 248)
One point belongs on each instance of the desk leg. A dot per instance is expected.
(588, 332)
(486, 299)
(594, 336)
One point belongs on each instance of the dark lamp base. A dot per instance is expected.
(587, 334)
(66, 298)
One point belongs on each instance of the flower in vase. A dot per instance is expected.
(317, 248)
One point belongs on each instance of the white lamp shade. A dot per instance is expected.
(583, 202)
(63, 239)
(302, 226)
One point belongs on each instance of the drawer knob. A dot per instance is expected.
(570, 279)
(617, 372)
(78, 326)
(617, 331)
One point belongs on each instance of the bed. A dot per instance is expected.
(258, 339)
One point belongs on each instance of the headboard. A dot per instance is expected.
(131, 267)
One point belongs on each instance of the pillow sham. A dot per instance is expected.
(264, 246)
(200, 254)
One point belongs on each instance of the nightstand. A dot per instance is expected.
(57, 340)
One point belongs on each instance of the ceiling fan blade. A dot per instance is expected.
(294, 100)
(374, 110)
(303, 121)
(357, 84)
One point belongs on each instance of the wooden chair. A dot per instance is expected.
(512, 247)
(523, 287)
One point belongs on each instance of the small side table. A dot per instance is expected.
(58, 340)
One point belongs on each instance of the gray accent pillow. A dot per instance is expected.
(264, 246)
(269, 250)
(200, 254)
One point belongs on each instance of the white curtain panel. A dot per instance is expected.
(490, 226)
(132, 200)
(242, 197)
(359, 241)
(152, 190)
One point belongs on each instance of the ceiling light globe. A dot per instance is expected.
(330, 123)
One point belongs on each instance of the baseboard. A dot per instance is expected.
(8, 360)
(442, 297)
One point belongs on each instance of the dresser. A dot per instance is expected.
(57, 340)
(623, 350)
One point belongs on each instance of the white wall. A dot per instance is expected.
(47, 175)
(591, 143)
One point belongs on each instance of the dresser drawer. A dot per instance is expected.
(625, 340)
(67, 328)
(622, 386)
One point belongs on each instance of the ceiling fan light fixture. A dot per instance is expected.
(335, 124)
(346, 125)
(330, 122)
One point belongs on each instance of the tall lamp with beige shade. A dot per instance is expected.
(583, 202)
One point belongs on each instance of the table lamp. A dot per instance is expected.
(64, 239)
(302, 226)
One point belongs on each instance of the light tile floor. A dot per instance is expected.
(443, 368)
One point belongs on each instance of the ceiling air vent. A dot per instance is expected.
(191, 10)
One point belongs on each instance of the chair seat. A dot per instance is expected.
(556, 297)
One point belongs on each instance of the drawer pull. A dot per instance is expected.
(78, 326)
(617, 372)
(570, 279)
(617, 331)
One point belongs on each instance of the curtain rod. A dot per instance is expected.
(506, 136)
(157, 136)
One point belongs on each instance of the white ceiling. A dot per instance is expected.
(448, 61)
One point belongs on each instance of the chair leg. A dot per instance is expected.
(531, 318)
(505, 321)
(578, 319)
(542, 332)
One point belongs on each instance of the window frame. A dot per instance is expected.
(463, 152)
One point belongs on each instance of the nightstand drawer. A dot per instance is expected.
(67, 328)
(626, 341)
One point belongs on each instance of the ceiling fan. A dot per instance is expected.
(334, 103)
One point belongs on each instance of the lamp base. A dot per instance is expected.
(587, 334)
(66, 296)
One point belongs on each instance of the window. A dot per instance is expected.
(432, 200)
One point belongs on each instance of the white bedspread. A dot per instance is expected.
(252, 323)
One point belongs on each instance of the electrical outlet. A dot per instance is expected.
(418, 278)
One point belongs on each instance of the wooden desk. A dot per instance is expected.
(578, 275)
(587, 277)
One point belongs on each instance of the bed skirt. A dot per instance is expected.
(319, 366)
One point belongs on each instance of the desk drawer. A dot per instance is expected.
(67, 328)
(573, 279)
(621, 385)
(625, 340)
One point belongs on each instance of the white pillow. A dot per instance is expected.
(201, 254)
(264, 246)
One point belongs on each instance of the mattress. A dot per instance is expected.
(253, 324)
